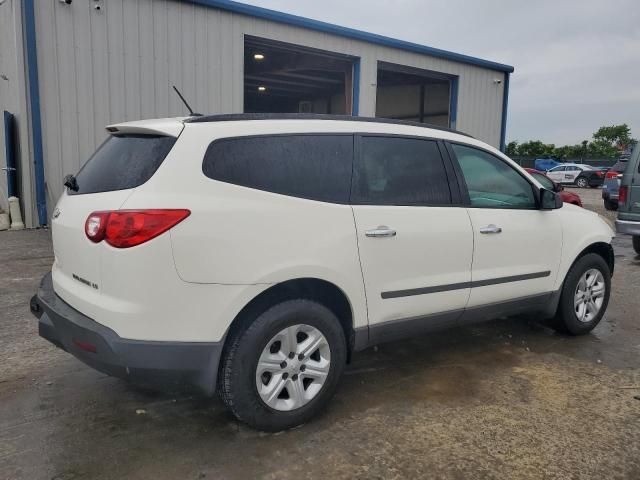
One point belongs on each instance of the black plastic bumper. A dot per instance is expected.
(595, 181)
(147, 362)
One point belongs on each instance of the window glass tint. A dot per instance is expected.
(400, 171)
(544, 181)
(123, 161)
(317, 167)
(619, 167)
(491, 182)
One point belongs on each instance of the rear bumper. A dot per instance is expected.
(596, 181)
(628, 227)
(148, 362)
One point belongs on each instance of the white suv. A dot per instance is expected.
(253, 254)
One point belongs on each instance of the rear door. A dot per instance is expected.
(571, 173)
(516, 246)
(414, 238)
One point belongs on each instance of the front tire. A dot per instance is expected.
(283, 369)
(582, 182)
(585, 295)
(636, 244)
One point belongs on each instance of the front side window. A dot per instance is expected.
(492, 182)
(400, 171)
(316, 167)
(558, 169)
(544, 181)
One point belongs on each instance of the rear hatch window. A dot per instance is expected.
(123, 162)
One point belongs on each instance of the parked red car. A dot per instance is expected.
(567, 197)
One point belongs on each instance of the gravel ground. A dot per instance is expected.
(507, 399)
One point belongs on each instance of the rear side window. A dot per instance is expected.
(316, 167)
(400, 171)
(122, 162)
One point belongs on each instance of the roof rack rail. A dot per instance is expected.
(232, 117)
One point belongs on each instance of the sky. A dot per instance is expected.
(577, 62)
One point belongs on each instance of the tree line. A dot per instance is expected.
(607, 142)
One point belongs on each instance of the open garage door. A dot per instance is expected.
(286, 78)
(406, 93)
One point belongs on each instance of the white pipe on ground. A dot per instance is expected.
(16, 215)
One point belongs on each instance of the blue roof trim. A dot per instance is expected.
(34, 102)
(325, 27)
(505, 104)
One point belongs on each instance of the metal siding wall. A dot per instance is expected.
(8, 68)
(118, 64)
(13, 98)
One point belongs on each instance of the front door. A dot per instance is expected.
(415, 246)
(517, 247)
(557, 174)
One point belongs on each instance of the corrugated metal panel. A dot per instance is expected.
(13, 98)
(118, 64)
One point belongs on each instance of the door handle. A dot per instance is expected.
(381, 231)
(491, 228)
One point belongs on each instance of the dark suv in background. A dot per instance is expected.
(612, 184)
(629, 200)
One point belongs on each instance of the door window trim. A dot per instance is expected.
(463, 184)
(456, 198)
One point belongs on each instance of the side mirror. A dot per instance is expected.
(549, 200)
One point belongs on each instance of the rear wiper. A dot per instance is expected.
(71, 182)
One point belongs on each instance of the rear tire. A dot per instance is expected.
(609, 205)
(636, 244)
(585, 295)
(582, 182)
(264, 342)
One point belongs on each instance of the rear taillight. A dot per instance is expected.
(622, 195)
(612, 174)
(128, 228)
(599, 173)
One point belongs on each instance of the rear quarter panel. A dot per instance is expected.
(241, 236)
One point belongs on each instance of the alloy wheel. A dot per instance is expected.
(589, 295)
(293, 367)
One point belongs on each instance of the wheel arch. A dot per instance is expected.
(605, 250)
(602, 249)
(321, 291)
